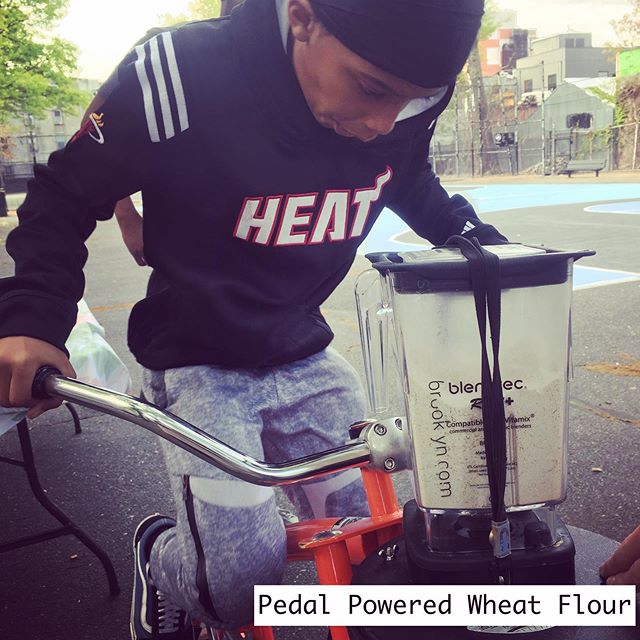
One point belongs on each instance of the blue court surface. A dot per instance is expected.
(500, 197)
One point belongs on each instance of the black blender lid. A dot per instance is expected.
(446, 269)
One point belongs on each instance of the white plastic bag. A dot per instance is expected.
(10, 416)
(91, 356)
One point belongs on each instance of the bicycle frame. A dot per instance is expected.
(376, 448)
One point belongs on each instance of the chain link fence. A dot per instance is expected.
(618, 147)
(493, 129)
(464, 149)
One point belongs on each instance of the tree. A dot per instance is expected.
(35, 69)
(196, 10)
(7, 144)
(6, 148)
(627, 98)
(628, 27)
(479, 97)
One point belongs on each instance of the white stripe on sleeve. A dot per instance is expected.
(158, 74)
(152, 123)
(176, 81)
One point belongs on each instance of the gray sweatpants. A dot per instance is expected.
(229, 535)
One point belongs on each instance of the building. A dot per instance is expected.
(574, 114)
(505, 47)
(628, 63)
(554, 59)
(35, 140)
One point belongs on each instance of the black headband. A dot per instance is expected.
(425, 42)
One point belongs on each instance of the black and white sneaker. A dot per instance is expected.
(153, 617)
(209, 633)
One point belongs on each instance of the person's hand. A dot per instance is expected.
(623, 567)
(131, 229)
(20, 359)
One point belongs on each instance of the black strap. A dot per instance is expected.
(202, 583)
(484, 271)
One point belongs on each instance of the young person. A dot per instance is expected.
(266, 146)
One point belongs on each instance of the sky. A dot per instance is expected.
(555, 16)
(105, 31)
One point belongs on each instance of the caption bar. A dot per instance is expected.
(441, 606)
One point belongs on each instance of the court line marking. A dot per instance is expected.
(613, 276)
(605, 208)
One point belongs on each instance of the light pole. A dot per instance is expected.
(33, 141)
(544, 134)
(4, 209)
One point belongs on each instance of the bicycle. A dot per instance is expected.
(334, 546)
(501, 528)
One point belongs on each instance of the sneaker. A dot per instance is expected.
(209, 633)
(153, 617)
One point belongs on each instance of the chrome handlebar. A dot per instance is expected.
(357, 453)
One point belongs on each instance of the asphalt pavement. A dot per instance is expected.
(111, 475)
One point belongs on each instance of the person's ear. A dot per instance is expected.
(303, 20)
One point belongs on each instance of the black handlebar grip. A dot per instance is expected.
(37, 389)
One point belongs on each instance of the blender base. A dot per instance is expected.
(376, 570)
(469, 563)
(592, 550)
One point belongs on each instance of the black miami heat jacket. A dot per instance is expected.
(253, 212)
